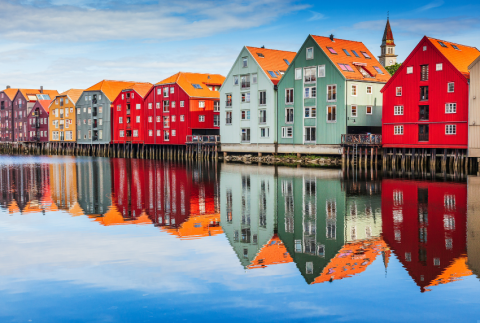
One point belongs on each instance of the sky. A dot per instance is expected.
(63, 44)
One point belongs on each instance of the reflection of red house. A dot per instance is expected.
(424, 223)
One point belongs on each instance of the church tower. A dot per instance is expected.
(388, 56)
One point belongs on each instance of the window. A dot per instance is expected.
(216, 120)
(165, 92)
(201, 118)
(262, 97)
(423, 132)
(423, 112)
(135, 133)
(399, 91)
(272, 74)
(216, 106)
(289, 115)
(354, 90)
(158, 119)
(439, 66)
(354, 111)
(310, 53)
(423, 93)
(201, 104)
(150, 133)
(398, 110)
(78, 111)
(309, 74)
(166, 135)
(346, 52)
(365, 55)
(311, 92)
(369, 90)
(310, 134)
(182, 118)
(332, 51)
(246, 97)
(369, 109)
(245, 81)
(424, 73)
(287, 132)
(321, 70)
(332, 93)
(331, 114)
(228, 117)
(378, 69)
(159, 133)
(409, 69)
(310, 112)
(260, 55)
(398, 130)
(451, 87)
(288, 96)
(246, 135)
(137, 119)
(166, 106)
(172, 90)
(451, 108)
(450, 129)
(245, 114)
(89, 134)
(298, 73)
(89, 110)
(174, 132)
(244, 62)
(166, 122)
(254, 78)
(264, 132)
(150, 119)
(424, 48)
(355, 53)
(235, 80)
(442, 44)
(157, 105)
(174, 103)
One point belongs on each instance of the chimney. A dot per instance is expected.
(331, 37)
(8, 86)
(41, 89)
(263, 46)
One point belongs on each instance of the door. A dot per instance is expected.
(310, 135)
(423, 132)
(61, 136)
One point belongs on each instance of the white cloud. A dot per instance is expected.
(316, 16)
(431, 5)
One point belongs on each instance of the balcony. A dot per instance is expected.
(203, 139)
(37, 123)
(245, 85)
(228, 103)
(361, 139)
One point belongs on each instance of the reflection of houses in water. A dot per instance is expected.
(331, 231)
(247, 195)
(94, 185)
(63, 185)
(473, 225)
(424, 224)
(273, 252)
(25, 188)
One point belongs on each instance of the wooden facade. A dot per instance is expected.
(37, 122)
(63, 117)
(6, 114)
(474, 110)
(426, 101)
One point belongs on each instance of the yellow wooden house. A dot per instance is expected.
(62, 117)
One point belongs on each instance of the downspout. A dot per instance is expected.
(275, 88)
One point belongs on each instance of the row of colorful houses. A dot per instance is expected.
(273, 101)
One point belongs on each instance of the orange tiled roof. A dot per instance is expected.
(111, 88)
(353, 259)
(457, 269)
(73, 94)
(341, 58)
(76, 210)
(461, 58)
(10, 93)
(34, 92)
(114, 217)
(13, 207)
(185, 81)
(141, 88)
(273, 253)
(273, 60)
(196, 227)
(45, 104)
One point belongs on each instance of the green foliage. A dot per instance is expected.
(393, 68)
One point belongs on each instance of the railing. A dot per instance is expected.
(203, 139)
(423, 137)
(362, 139)
(228, 103)
(245, 85)
(262, 120)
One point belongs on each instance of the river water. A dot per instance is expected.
(90, 239)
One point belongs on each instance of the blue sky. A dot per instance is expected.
(63, 44)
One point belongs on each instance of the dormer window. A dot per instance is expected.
(260, 55)
(455, 47)
(196, 86)
(379, 71)
(286, 61)
(355, 53)
(346, 52)
(345, 67)
(442, 44)
(366, 55)
(272, 74)
(332, 51)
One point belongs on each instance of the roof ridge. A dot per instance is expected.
(277, 50)
(451, 42)
(353, 41)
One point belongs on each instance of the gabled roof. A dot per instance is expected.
(10, 93)
(141, 88)
(458, 268)
(196, 227)
(339, 45)
(460, 58)
(474, 62)
(111, 88)
(273, 60)
(33, 93)
(273, 252)
(73, 94)
(388, 35)
(45, 104)
(186, 81)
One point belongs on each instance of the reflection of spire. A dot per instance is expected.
(386, 258)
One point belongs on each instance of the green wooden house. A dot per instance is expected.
(331, 88)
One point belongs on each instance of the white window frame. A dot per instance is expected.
(247, 97)
(321, 71)
(310, 92)
(398, 110)
(165, 92)
(201, 104)
(354, 86)
(254, 78)
(266, 130)
(201, 118)
(298, 73)
(398, 130)
(334, 86)
(306, 53)
(371, 110)
(245, 62)
(356, 111)
(293, 110)
(293, 96)
(409, 69)
(247, 115)
(396, 91)
(172, 89)
(285, 132)
(439, 67)
(235, 80)
(448, 87)
(450, 108)
(312, 112)
(450, 129)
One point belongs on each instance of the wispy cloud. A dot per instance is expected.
(431, 5)
(316, 16)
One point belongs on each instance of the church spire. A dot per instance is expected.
(388, 57)
(388, 35)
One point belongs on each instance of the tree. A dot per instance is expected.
(393, 68)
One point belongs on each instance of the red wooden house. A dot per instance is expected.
(182, 105)
(37, 122)
(424, 224)
(128, 114)
(425, 103)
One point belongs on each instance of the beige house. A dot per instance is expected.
(474, 110)
(473, 224)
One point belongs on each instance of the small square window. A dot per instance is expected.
(451, 87)
(354, 111)
(298, 73)
(369, 90)
(399, 91)
(439, 66)
(369, 110)
(409, 69)
(424, 48)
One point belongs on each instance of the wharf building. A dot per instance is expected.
(62, 118)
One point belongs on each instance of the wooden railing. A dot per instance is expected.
(203, 139)
(362, 139)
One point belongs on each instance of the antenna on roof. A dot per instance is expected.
(331, 37)
(263, 46)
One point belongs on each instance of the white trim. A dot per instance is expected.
(356, 111)
(371, 110)
(306, 53)
(399, 128)
(356, 90)
(336, 93)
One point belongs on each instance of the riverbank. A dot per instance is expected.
(290, 159)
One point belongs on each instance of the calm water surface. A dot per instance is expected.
(118, 240)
